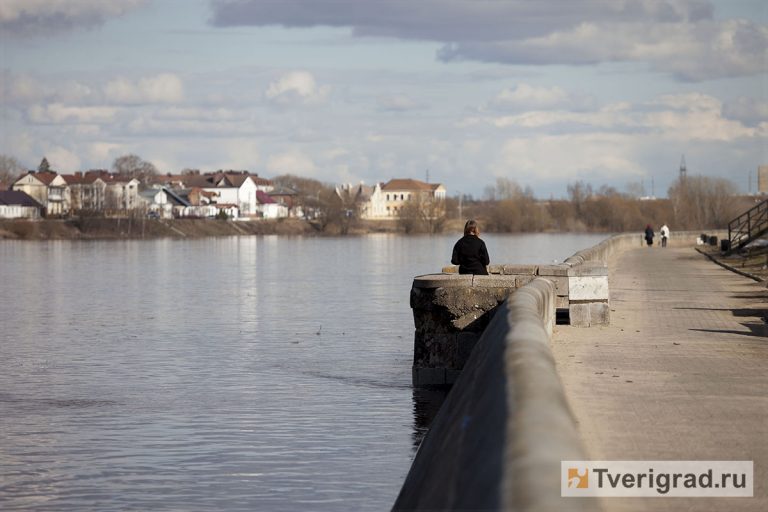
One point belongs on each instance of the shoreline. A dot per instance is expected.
(99, 228)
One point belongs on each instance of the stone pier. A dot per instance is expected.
(451, 311)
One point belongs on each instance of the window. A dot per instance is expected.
(387, 200)
(402, 196)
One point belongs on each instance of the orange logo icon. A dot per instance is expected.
(577, 480)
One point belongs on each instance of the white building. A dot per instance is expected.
(15, 204)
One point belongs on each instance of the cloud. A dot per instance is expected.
(25, 89)
(679, 37)
(291, 162)
(62, 159)
(162, 88)
(528, 97)
(749, 111)
(57, 113)
(680, 117)
(41, 17)
(296, 88)
(398, 103)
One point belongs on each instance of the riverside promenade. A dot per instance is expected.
(681, 372)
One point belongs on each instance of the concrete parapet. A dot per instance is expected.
(450, 313)
(498, 440)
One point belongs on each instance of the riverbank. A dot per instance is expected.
(105, 228)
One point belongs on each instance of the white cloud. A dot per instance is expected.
(297, 88)
(524, 96)
(57, 113)
(292, 162)
(399, 103)
(690, 116)
(162, 88)
(569, 157)
(62, 159)
(104, 152)
(40, 17)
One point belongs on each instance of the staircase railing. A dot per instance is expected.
(748, 226)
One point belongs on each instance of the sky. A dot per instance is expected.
(543, 93)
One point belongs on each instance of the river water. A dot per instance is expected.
(251, 373)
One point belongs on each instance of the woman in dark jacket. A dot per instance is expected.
(470, 253)
(649, 235)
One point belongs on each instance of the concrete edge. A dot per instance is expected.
(541, 431)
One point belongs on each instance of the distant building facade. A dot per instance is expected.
(762, 179)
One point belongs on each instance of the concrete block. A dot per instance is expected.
(520, 269)
(495, 269)
(588, 269)
(561, 284)
(428, 376)
(561, 302)
(521, 281)
(591, 288)
(599, 313)
(553, 270)
(580, 315)
(494, 281)
(442, 281)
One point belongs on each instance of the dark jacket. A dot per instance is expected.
(649, 234)
(470, 255)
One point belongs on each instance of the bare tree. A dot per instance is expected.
(703, 202)
(132, 166)
(10, 170)
(422, 214)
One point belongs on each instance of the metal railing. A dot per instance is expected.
(748, 226)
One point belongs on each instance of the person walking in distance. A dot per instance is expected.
(664, 234)
(649, 235)
(470, 253)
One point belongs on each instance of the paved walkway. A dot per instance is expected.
(680, 374)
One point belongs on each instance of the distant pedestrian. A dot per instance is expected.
(470, 253)
(664, 234)
(649, 235)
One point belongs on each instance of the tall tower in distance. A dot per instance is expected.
(683, 169)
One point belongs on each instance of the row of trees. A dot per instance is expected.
(696, 202)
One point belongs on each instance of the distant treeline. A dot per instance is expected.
(695, 202)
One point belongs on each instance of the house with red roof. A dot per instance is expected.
(398, 193)
(49, 189)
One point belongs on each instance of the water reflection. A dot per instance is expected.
(195, 374)
(426, 404)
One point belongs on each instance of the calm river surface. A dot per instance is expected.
(253, 373)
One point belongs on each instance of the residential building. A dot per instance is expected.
(368, 201)
(47, 188)
(268, 208)
(15, 204)
(232, 188)
(399, 192)
(762, 179)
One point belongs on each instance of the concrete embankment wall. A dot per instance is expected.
(498, 440)
(610, 247)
